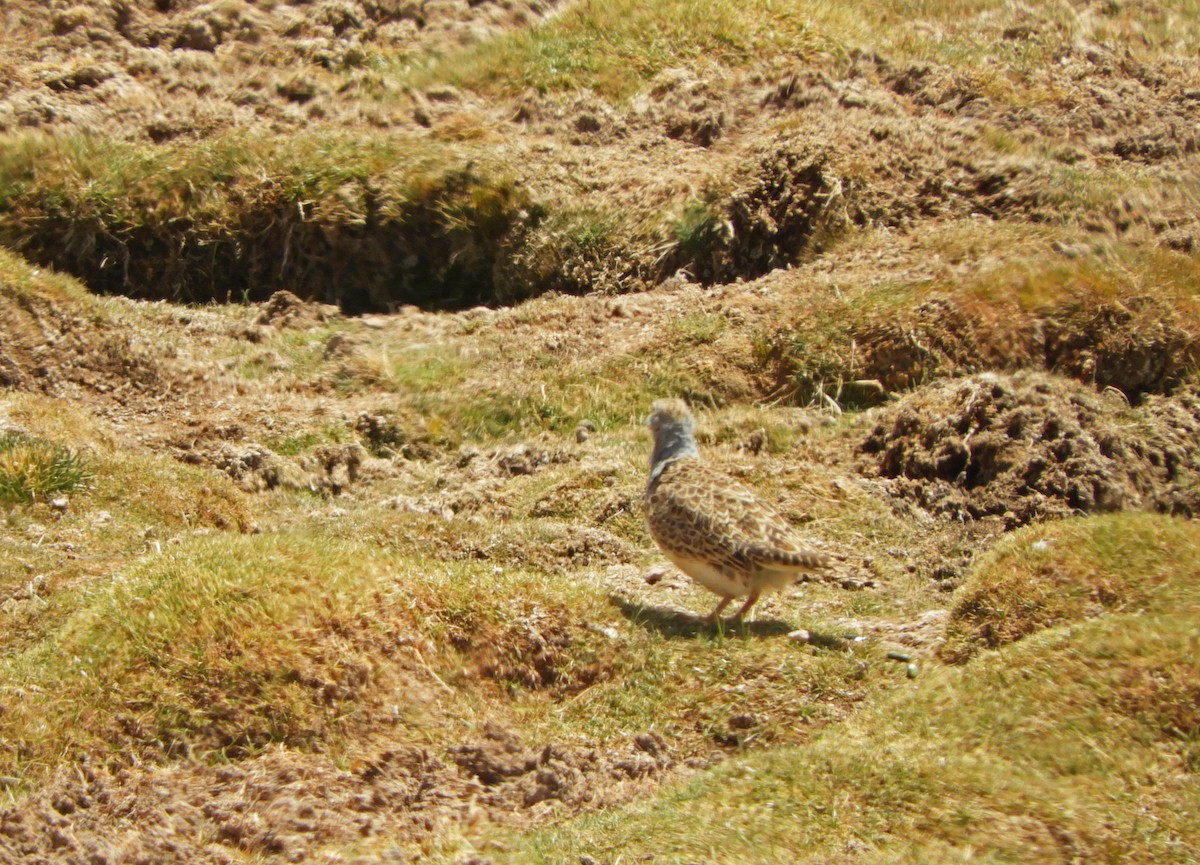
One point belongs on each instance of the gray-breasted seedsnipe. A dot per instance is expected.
(714, 529)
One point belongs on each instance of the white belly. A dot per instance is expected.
(715, 581)
(709, 577)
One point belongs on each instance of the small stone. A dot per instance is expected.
(59, 503)
(911, 670)
(655, 575)
(1071, 250)
(800, 636)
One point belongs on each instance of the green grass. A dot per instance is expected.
(1079, 738)
(174, 220)
(613, 46)
(421, 368)
(846, 343)
(1064, 572)
(697, 329)
(32, 468)
(493, 393)
(302, 442)
(203, 648)
(699, 229)
(217, 647)
(110, 176)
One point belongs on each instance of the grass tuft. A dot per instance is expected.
(1068, 572)
(209, 648)
(32, 468)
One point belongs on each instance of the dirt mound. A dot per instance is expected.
(54, 344)
(1027, 446)
(288, 806)
(478, 480)
(511, 771)
(790, 205)
(327, 469)
(284, 310)
(457, 224)
(577, 531)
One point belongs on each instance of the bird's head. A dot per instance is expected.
(670, 414)
(673, 428)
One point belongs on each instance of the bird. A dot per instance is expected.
(713, 528)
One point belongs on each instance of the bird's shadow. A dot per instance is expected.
(675, 623)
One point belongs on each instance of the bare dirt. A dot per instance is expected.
(996, 423)
(290, 807)
(186, 68)
(1028, 447)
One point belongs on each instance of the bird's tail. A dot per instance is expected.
(801, 559)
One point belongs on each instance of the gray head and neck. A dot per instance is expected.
(674, 430)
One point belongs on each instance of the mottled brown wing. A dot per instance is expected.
(701, 510)
(687, 515)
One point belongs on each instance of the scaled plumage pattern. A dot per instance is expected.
(713, 528)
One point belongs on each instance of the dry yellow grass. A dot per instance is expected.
(216, 601)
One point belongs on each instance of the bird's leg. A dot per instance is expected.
(716, 614)
(746, 606)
